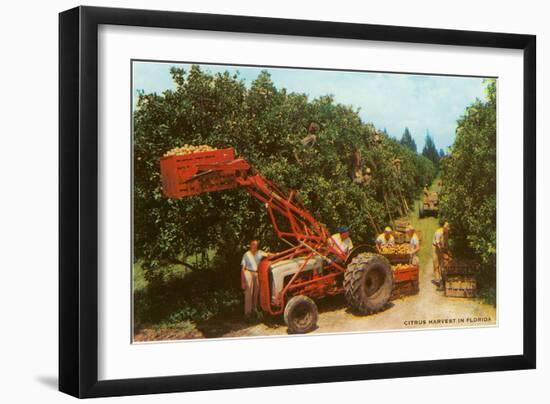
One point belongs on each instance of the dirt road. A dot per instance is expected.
(427, 309)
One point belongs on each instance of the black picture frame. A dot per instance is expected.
(78, 200)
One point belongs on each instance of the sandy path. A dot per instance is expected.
(409, 312)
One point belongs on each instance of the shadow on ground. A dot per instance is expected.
(48, 381)
(234, 322)
(201, 306)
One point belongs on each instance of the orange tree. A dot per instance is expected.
(468, 173)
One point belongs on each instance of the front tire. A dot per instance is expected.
(300, 315)
(368, 283)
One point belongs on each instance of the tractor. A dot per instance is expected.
(429, 205)
(312, 267)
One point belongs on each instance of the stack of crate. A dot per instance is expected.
(400, 231)
(401, 224)
(405, 275)
(405, 280)
(459, 277)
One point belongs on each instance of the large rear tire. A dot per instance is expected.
(300, 315)
(368, 283)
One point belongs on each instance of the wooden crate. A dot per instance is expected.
(453, 266)
(405, 273)
(401, 289)
(400, 225)
(460, 286)
(400, 238)
(179, 174)
(395, 259)
(405, 281)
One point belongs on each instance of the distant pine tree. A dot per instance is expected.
(407, 140)
(430, 151)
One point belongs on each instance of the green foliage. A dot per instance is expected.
(407, 140)
(468, 200)
(265, 125)
(183, 298)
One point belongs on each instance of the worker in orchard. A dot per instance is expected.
(249, 277)
(414, 244)
(385, 239)
(440, 244)
(426, 191)
(342, 239)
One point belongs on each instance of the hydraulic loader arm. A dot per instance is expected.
(198, 173)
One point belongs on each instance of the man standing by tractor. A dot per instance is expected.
(249, 277)
(440, 245)
(414, 244)
(385, 239)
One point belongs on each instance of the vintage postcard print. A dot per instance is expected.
(271, 201)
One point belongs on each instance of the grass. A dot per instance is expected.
(172, 271)
(183, 298)
(427, 226)
(140, 282)
(179, 325)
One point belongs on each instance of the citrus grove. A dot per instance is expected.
(346, 172)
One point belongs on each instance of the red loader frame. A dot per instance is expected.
(197, 173)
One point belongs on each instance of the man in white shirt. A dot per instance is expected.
(249, 277)
(385, 239)
(342, 239)
(414, 244)
(439, 246)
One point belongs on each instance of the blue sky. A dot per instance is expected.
(388, 100)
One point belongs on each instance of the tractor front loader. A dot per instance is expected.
(312, 267)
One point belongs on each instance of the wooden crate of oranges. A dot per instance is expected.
(460, 286)
(405, 280)
(459, 277)
(397, 254)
